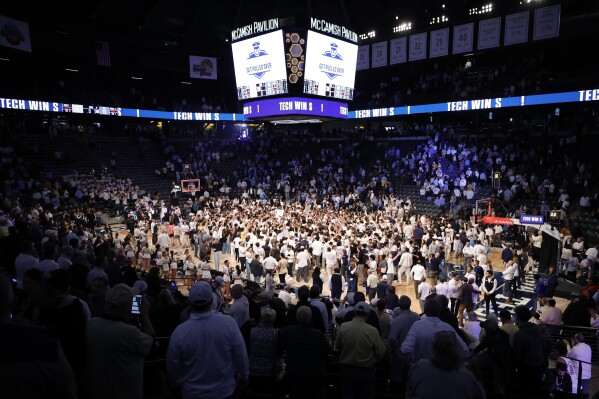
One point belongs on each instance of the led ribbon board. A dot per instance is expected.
(295, 106)
(454, 106)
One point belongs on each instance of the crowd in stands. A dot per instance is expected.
(97, 275)
(296, 218)
(449, 171)
(469, 79)
(500, 73)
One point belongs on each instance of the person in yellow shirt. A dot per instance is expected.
(360, 346)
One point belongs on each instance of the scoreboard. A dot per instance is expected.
(294, 61)
(330, 66)
(260, 66)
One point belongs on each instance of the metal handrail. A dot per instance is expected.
(580, 362)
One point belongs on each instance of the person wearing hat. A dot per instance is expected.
(214, 366)
(116, 349)
(492, 354)
(257, 51)
(372, 317)
(360, 347)
(332, 53)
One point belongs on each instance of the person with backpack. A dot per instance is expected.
(489, 288)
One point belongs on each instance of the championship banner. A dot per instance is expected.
(379, 54)
(488, 33)
(202, 67)
(417, 50)
(516, 28)
(462, 38)
(14, 34)
(363, 58)
(439, 43)
(398, 51)
(547, 21)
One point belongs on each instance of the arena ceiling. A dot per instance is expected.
(161, 33)
(192, 26)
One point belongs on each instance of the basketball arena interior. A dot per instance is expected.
(299, 199)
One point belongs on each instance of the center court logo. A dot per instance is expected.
(330, 70)
(258, 70)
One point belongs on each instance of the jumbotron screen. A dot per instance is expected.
(260, 66)
(330, 67)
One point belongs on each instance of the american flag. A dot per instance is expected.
(103, 53)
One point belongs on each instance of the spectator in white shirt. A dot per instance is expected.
(591, 255)
(552, 315)
(316, 246)
(424, 290)
(405, 264)
(442, 288)
(468, 252)
(330, 260)
(582, 352)
(418, 271)
(269, 263)
(508, 276)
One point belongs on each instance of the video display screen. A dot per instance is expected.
(330, 67)
(260, 66)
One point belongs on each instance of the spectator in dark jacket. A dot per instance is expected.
(372, 318)
(264, 350)
(307, 351)
(577, 313)
(507, 254)
(529, 353)
(465, 296)
(303, 295)
(492, 355)
(391, 300)
(382, 287)
(256, 268)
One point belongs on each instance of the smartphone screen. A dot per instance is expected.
(135, 304)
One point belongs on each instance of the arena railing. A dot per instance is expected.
(557, 333)
(578, 371)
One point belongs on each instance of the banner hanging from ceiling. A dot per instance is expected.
(14, 34)
(202, 67)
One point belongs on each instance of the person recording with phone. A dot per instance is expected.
(116, 348)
